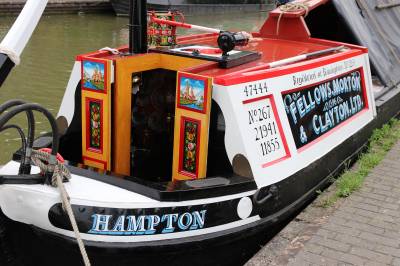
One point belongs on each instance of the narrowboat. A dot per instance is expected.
(189, 150)
(198, 7)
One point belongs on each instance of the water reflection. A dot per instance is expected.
(48, 59)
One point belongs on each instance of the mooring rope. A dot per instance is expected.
(43, 160)
(291, 7)
(111, 50)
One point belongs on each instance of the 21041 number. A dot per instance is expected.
(266, 130)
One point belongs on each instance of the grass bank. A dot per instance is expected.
(351, 180)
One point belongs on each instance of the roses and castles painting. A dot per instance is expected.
(192, 92)
(93, 75)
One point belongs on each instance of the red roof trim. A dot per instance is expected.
(245, 76)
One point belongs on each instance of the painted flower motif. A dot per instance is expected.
(95, 126)
(190, 136)
(190, 141)
(191, 146)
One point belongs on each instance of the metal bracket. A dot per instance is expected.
(272, 193)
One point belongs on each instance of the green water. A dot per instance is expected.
(49, 56)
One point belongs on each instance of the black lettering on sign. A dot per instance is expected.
(264, 129)
(314, 110)
(255, 89)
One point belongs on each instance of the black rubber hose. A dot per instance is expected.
(31, 128)
(5, 117)
(21, 133)
(30, 117)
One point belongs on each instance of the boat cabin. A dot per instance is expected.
(190, 110)
(202, 143)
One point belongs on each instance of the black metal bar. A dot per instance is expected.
(137, 26)
(5, 67)
(21, 179)
(325, 51)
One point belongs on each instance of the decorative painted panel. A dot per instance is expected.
(192, 117)
(96, 113)
(93, 75)
(316, 109)
(94, 125)
(189, 146)
(193, 92)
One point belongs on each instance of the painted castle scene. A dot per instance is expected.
(192, 93)
(93, 75)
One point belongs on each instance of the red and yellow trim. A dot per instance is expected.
(99, 157)
(198, 116)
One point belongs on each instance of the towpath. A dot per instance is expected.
(363, 229)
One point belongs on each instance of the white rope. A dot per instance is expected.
(11, 54)
(111, 50)
(60, 174)
(291, 7)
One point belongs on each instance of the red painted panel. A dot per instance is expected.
(243, 77)
(182, 147)
(88, 123)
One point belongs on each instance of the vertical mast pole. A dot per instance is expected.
(137, 26)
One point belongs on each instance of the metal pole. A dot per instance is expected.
(138, 26)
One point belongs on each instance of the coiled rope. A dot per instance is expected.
(48, 163)
(291, 7)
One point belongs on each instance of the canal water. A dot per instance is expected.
(49, 56)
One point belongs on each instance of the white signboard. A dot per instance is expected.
(287, 121)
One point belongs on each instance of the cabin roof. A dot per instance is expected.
(271, 50)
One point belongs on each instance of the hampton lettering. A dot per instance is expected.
(147, 224)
